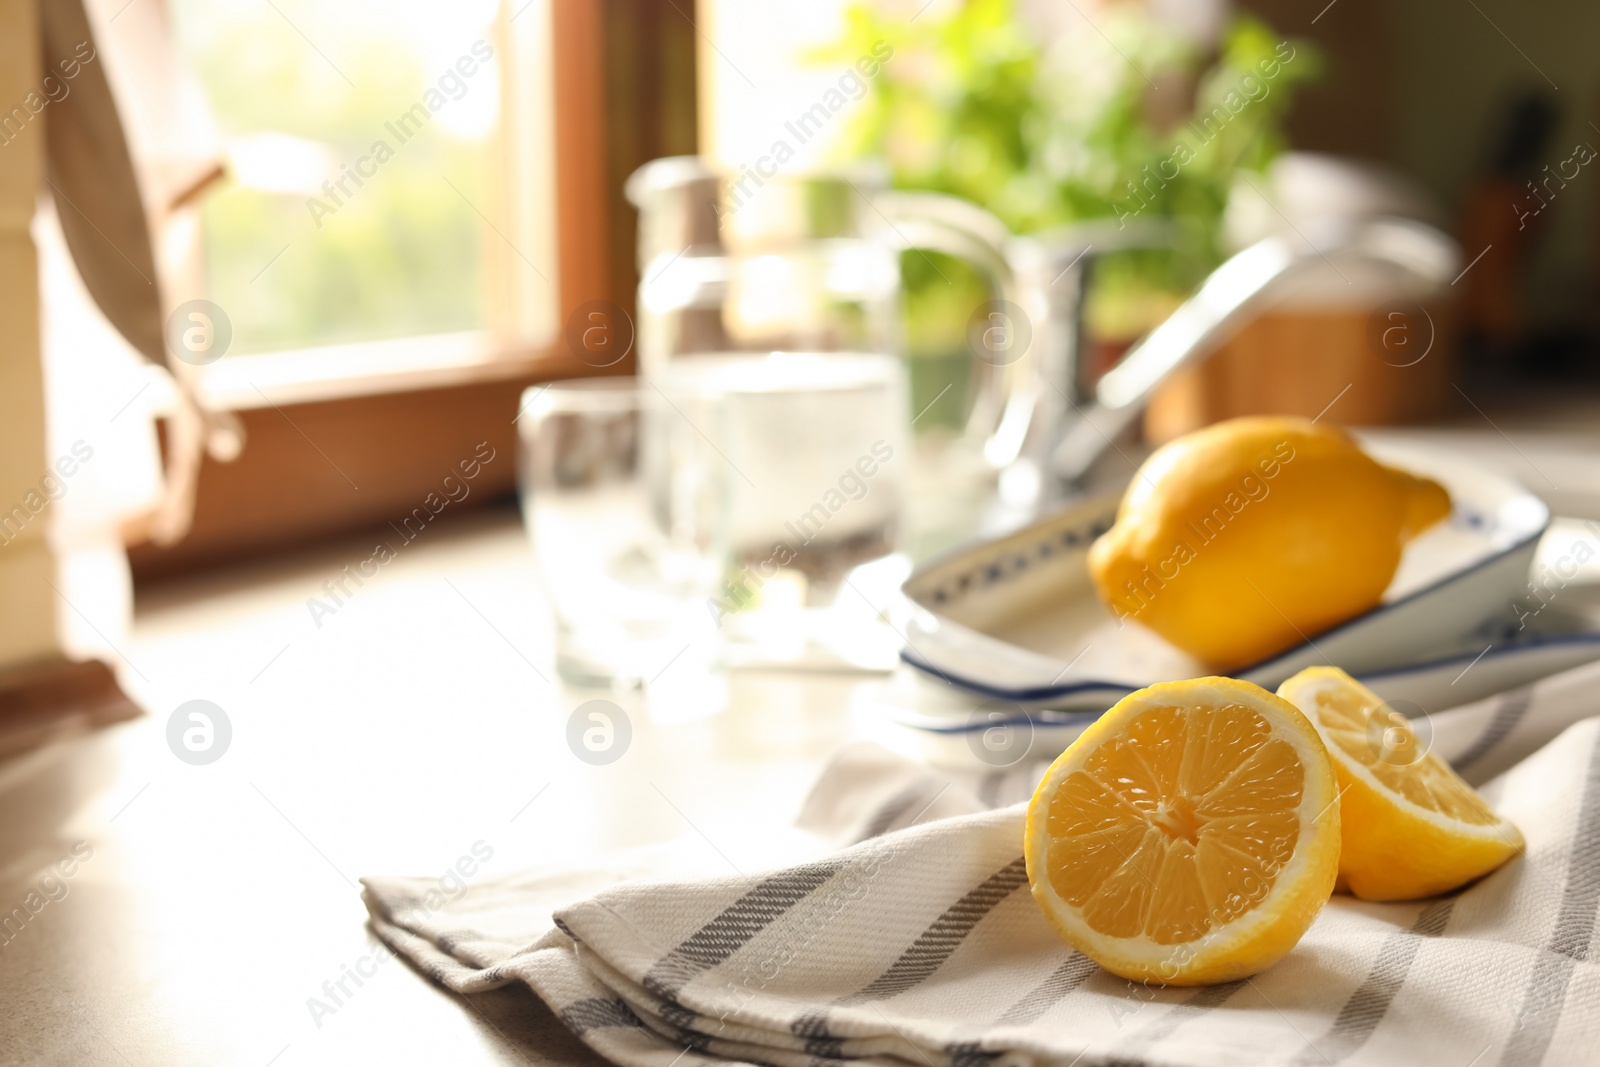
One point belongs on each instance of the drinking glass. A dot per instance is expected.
(628, 590)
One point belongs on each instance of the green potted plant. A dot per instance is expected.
(1126, 117)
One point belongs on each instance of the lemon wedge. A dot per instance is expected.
(1189, 835)
(1412, 827)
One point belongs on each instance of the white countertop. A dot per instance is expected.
(414, 724)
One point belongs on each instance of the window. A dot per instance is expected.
(375, 351)
(370, 167)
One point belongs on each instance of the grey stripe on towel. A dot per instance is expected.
(1507, 713)
(735, 925)
(1569, 941)
(1370, 1002)
(935, 944)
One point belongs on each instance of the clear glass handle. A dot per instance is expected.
(939, 223)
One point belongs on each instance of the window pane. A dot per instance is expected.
(359, 151)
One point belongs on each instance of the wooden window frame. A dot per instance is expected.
(348, 439)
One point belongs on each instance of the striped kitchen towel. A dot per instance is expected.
(920, 946)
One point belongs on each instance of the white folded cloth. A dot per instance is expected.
(920, 945)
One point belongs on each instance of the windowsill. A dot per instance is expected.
(396, 365)
(346, 437)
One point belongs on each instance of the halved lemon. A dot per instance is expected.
(1412, 828)
(1190, 835)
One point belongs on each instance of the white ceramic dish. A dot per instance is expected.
(1017, 619)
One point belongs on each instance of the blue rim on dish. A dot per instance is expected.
(1035, 694)
(1058, 717)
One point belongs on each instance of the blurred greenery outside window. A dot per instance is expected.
(1047, 129)
(299, 252)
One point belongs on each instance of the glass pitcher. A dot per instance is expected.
(810, 263)
(805, 262)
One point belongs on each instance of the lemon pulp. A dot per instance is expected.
(1189, 835)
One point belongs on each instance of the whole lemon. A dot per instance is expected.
(1248, 537)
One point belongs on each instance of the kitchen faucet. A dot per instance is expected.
(1420, 258)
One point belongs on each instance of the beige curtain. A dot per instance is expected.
(128, 153)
